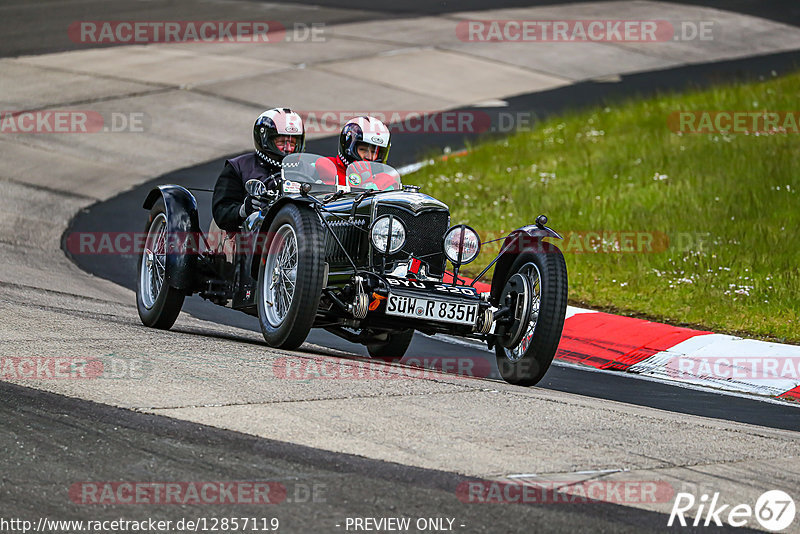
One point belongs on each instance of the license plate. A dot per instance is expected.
(435, 310)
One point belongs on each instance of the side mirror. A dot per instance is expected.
(255, 188)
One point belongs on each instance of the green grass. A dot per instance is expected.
(728, 203)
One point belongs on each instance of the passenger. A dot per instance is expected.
(361, 139)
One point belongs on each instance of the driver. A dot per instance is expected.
(277, 133)
(361, 139)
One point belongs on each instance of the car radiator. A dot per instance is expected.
(351, 238)
(424, 234)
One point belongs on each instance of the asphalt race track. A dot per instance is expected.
(25, 32)
(321, 488)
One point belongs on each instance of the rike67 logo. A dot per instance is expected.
(774, 510)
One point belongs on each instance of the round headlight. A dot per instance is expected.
(461, 244)
(380, 234)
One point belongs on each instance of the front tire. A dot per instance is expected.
(290, 277)
(158, 303)
(527, 360)
(394, 348)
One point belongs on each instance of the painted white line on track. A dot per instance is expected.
(588, 472)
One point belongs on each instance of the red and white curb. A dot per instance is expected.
(677, 354)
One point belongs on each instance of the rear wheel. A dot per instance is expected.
(536, 288)
(290, 277)
(394, 348)
(158, 303)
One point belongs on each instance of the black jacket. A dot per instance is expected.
(229, 191)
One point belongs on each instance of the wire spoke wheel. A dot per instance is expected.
(532, 273)
(158, 303)
(526, 348)
(151, 270)
(281, 265)
(290, 277)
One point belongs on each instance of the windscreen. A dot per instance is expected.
(322, 173)
(362, 175)
(308, 168)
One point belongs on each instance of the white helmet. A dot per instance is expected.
(271, 124)
(367, 130)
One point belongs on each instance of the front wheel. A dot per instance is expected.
(536, 288)
(290, 277)
(158, 303)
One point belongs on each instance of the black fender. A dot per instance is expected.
(184, 228)
(260, 239)
(524, 239)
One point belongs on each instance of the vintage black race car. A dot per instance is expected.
(365, 260)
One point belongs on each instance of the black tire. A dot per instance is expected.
(394, 348)
(158, 305)
(285, 324)
(532, 362)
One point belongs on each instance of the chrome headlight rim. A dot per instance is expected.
(397, 244)
(464, 258)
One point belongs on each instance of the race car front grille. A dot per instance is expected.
(424, 234)
(350, 236)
